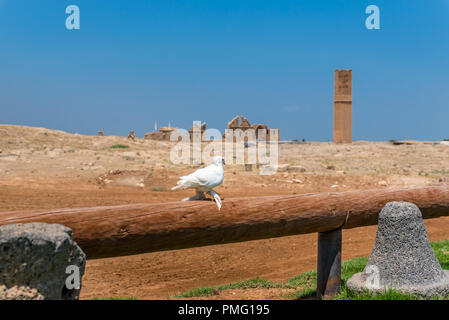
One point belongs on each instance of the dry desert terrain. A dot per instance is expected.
(43, 169)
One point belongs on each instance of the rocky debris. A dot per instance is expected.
(402, 258)
(280, 167)
(34, 262)
(398, 143)
(129, 154)
(9, 157)
(290, 168)
(382, 183)
(19, 293)
(296, 169)
(157, 177)
(338, 155)
(330, 167)
(131, 178)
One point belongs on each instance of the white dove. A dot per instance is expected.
(204, 180)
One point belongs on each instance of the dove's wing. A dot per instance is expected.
(208, 177)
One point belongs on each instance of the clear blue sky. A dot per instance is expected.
(135, 62)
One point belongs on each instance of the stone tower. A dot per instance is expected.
(343, 106)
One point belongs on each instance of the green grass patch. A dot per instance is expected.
(119, 146)
(159, 189)
(441, 250)
(440, 172)
(253, 283)
(116, 298)
(305, 283)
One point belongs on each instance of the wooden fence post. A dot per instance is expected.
(329, 264)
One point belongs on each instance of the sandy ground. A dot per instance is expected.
(42, 169)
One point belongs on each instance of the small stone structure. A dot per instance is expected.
(131, 136)
(100, 134)
(162, 135)
(402, 258)
(343, 106)
(240, 122)
(33, 262)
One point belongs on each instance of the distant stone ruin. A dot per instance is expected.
(240, 122)
(162, 135)
(100, 133)
(131, 136)
(200, 130)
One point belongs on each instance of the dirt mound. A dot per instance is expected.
(131, 178)
(155, 179)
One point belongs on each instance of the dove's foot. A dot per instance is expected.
(198, 196)
(217, 199)
(218, 202)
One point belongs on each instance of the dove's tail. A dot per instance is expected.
(180, 184)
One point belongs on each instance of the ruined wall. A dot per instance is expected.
(200, 130)
(240, 122)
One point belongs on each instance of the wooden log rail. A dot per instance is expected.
(137, 228)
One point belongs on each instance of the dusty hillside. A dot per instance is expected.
(41, 168)
(38, 153)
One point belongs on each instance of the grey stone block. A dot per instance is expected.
(402, 258)
(33, 262)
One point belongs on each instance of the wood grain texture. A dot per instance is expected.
(137, 228)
